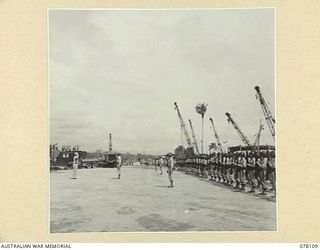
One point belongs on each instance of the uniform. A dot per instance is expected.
(229, 170)
(272, 173)
(236, 171)
(75, 166)
(161, 163)
(242, 164)
(170, 170)
(251, 166)
(119, 166)
(260, 173)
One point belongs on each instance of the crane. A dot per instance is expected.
(216, 135)
(243, 137)
(183, 126)
(195, 143)
(257, 140)
(110, 142)
(266, 112)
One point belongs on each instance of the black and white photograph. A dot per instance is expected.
(162, 120)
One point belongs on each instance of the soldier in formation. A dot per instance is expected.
(241, 170)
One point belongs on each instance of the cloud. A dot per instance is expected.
(121, 71)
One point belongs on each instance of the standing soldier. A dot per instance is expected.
(170, 169)
(214, 164)
(232, 172)
(119, 166)
(251, 171)
(218, 167)
(236, 170)
(224, 169)
(272, 173)
(261, 168)
(228, 170)
(243, 166)
(210, 163)
(161, 163)
(75, 165)
(205, 162)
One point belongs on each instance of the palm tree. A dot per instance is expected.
(201, 109)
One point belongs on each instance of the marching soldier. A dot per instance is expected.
(243, 166)
(251, 171)
(260, 171)
(236, 171)
(205, 163)
(272, 173)
(211, 167)
(224, 169)
(218, 164)
(228, 170)
(215, 167)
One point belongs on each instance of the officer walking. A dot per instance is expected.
(170, 169)
(119, 166)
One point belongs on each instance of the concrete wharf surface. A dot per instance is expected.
(142, 202)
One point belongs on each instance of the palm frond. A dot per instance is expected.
(201, 108)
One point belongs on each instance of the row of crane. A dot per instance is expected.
(265, 110)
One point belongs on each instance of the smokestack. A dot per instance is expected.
(110, 142)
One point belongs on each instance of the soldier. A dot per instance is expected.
(206, 172)
(75, 165)
(228, 170)
(272, 173)
(156, 164)
(218, 167)
(198, 166)
(119, 166)
(251, 171)
(211, 171)
(224, 169)
(243, 166)
(214, 167)
(170, 169)
(260, 173)
(232, 172)
(161, 164)
(236, 171)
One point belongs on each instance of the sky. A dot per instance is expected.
(120, 72)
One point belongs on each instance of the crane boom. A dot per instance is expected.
(258, 136)
(216, 136)
(243, 137)
(266, 112)
(195, 143)
(183, 126)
